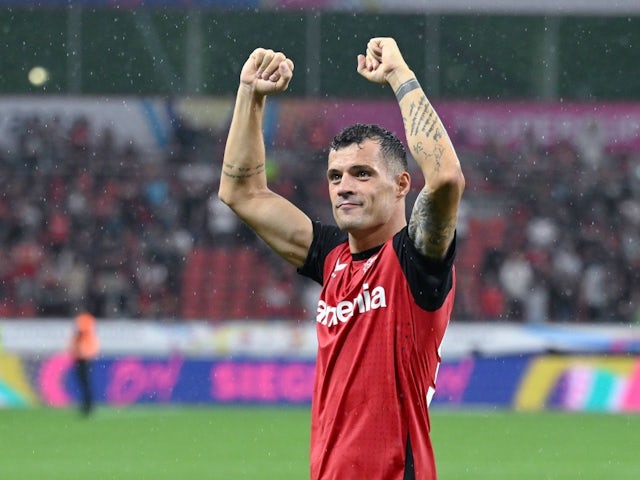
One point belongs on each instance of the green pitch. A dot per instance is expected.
(271, 443)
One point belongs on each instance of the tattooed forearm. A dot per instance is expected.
(232, 171)
(420, 112)
(431, 234)
(424, 118)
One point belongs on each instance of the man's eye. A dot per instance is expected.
(363, 174)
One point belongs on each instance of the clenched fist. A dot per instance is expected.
(267, 71)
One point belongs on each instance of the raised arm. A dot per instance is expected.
(435, 212)
(243, 182)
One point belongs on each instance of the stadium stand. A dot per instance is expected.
(85, 224)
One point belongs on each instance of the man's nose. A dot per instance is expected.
(346, 185)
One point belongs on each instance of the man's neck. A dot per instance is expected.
(364, 240)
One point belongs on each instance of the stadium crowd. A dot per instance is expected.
(86, 222)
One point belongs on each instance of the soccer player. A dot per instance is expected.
(84, 347)
(387, 285)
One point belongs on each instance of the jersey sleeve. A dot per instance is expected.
(325, 239)
(430, 280)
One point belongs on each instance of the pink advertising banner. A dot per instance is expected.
(472, 124)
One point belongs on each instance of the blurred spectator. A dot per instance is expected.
(590, 145)
(492, 300)
(516, 280)
(564, 278)
(536, 303)
(594, 290)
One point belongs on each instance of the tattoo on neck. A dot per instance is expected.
(406, 87)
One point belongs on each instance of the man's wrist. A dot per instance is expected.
(249, 92)
(399, 76)
(406, 87)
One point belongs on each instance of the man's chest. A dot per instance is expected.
(354, 289)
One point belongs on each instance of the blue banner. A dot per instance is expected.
(525, 382)
(480, 381)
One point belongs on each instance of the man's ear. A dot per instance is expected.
(403, 182)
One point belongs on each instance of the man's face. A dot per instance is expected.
(364, 195)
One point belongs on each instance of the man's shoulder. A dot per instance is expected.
(328, 237)
(325, 239)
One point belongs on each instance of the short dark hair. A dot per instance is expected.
(391, 147)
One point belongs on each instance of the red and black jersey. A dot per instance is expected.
(380, 321)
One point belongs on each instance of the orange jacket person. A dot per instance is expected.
(84, 349)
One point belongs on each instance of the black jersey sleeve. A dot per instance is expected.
(325, 239)
(430, 280)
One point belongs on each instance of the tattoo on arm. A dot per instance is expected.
(433, 220)
(424, 119)
(232, 171)
(406, 87)
(434, 156)
(430, 233)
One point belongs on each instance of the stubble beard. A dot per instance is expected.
(348, 223)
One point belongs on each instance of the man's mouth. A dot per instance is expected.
(347, 205)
